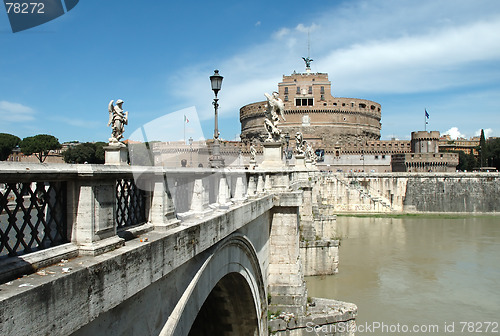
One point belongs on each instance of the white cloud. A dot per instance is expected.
(258, 23)
(15, 112)
(367, 48)
(304, 29)
(454, 133)
(487, 132)
(281, 33)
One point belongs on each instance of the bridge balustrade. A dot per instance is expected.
(49, 212)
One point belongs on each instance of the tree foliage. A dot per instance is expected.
(482, 150)
(7, 143)
(493, 153)
(40, 145)
(85, 153)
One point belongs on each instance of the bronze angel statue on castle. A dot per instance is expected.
(117, 120)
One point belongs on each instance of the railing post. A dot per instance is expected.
(260, 184)
(93, 208)
(223, 195)
(162, 211)
(239, 188)
(252, 185)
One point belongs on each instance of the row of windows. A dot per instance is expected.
(309, 90)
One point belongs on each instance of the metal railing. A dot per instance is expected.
(32, 216)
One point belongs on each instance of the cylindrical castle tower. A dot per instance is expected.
(311, 109)
(425, 142)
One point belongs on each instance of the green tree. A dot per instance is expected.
(482, 149)
(493, 153)
(7, 143)
(85, 153)
(40, 145)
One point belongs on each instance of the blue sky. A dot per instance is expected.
(443, 55)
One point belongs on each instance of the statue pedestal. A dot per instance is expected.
(300, 162)
(252, 164)
(115, 155)
(309, 163)
(273, 155)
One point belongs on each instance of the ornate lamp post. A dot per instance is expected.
(216, 161)
(287, 140)
(190, 151)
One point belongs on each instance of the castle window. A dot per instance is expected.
(322, 97)
(286, 97)
(383, 156)
(343, 104)
(310, 91)
(286, 89)
(304, 102)
(334, 104)
(322, 90)
(376, 157)
(361, 105)
(298, 89)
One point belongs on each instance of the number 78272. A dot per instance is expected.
(25, 7)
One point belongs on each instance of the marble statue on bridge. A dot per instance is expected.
(275, 110)
(117, 120)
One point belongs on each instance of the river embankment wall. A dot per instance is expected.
(409, 192)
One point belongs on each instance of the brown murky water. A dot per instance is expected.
(436, 276)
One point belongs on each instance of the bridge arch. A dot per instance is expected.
(226, 296)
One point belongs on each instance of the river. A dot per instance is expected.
(434, 275)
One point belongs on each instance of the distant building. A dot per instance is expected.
(425, 155)
(460, 144)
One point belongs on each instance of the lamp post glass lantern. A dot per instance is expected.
(216, 161)
(287, 141)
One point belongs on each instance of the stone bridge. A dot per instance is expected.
(119, 250)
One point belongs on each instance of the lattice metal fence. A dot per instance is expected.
(130, 204)
(32, 217)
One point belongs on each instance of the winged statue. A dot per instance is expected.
(275, 110)
(117, 120)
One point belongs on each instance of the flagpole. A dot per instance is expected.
(184, 121)
(425, 121)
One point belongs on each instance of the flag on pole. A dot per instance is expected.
(186, 120)
(426, 116)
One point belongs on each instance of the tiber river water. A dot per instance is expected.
(418, 272)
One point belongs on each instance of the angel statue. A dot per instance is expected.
(117, 120)
(253, 152)
(310, 155)
(275, 110)
(308, 62)
(300, 143)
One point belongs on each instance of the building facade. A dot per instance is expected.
(310, 108)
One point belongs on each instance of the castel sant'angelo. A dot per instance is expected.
(311, 109)
(343, 127)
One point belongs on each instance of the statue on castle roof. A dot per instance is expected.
(275, 110)
(308, 62)
(117, 120)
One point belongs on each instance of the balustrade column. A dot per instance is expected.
(260, 184)
(252, 186)
(239, 189)
(93, 209)
(162, 211)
